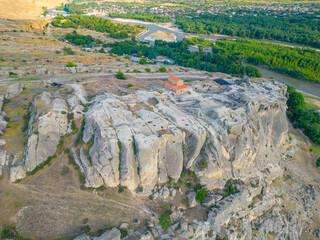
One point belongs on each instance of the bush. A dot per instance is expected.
(143, 61)
(201, 194)
(139, 189)
(12, 74)
(68, 51)
(148, 70)
(71, 64)
(165, 220)
(162, 69)
(124, 233)
(120, 75)
(318, 162)
(130, 85)
(73, 125)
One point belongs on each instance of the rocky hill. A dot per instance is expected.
(101, 158)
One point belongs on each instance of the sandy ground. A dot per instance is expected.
(160, 35)
(25, 9)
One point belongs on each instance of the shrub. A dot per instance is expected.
(73, 125)
(120, 75)
(162, 69)
(201, 194)
(139, 189)
(165, 220)
(130, 85)
(124, 233)
(167, 206)
(70, 116)
(148, 70)
(68, 51)
(71, 64)
(102, 50)
(143, 61)
(318, 162)
(12, 74)
(67, 150)
(136, 71)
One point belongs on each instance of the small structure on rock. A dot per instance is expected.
(176, 85)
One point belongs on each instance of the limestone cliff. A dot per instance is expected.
(143, 139)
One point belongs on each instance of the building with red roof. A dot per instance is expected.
(176, 85)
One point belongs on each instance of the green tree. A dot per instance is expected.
(201, 194)
(120, 75)
(162, 69)
(295, 100)
(165, 220)
(143, 61)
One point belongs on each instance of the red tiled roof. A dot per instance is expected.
(175, 79)
(176, 87)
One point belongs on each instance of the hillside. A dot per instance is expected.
(25, 9)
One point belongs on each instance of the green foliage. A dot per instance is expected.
(302, 63)
(139, 189)
(78, 39)
(82, 177)
(102, 50)
(130, 85)
(143, 17)
(318, 162)
(295, 100)
(124, 233)
(10, 232)
(259, 25)
(148, 70)
(162, 69)
(167, 206)
(68, 51)
(252, 72)
(201, 194)
(143, 61)
(26, 119)
(12, 74)
(70, 116)
(79, 140)
(303, 118)
(165, 220)
(230, 190)
(42, 165)
(73, 125)
(71, 64)
(115, 30)
(67, 150)
(120, 75)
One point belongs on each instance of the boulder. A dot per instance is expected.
(14, 90)
(192, 202)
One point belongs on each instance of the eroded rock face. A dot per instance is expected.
(14, 90)
(146, 138)
(45, 132)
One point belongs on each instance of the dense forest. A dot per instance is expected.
(143, 17)
(220, 61)
(78, 39)
(301, 117)
(115, 30)
(303, 63)
(293, 29)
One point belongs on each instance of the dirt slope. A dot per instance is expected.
(25, 9)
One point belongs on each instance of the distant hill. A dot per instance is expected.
(25, 9)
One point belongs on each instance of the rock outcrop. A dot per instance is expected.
(45, 132)
(14, 90)
(143, 139)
